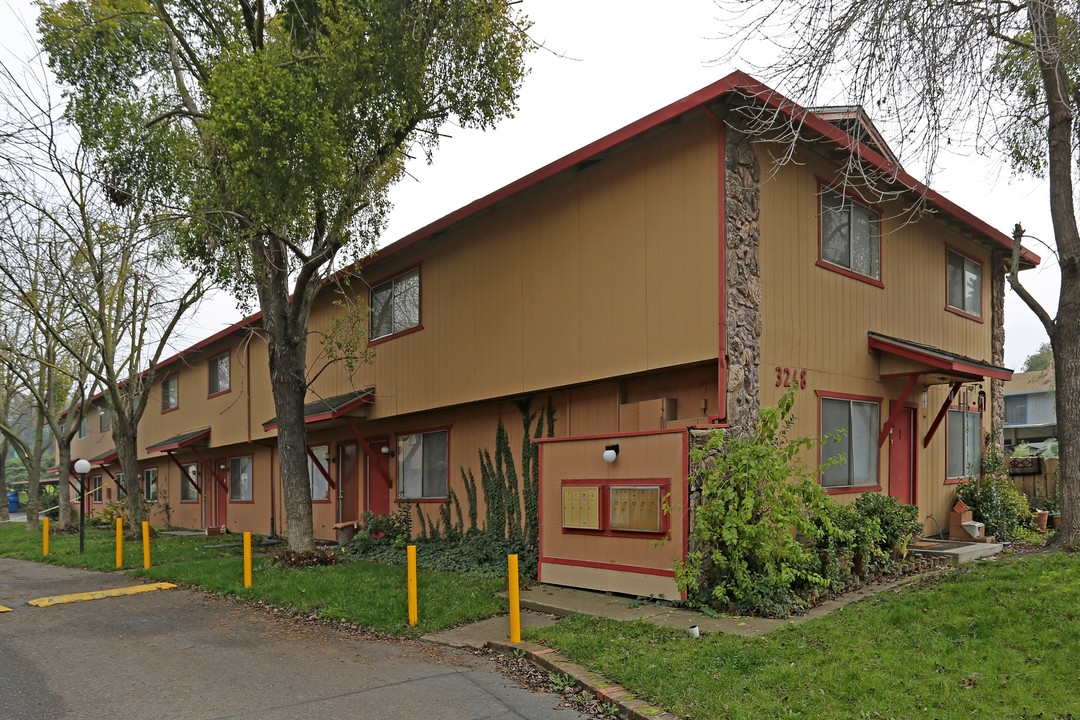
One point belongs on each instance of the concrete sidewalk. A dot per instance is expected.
(544, 604)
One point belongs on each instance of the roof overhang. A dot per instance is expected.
(106, 458)
(181, 441)
(348, 405)
(905, 357)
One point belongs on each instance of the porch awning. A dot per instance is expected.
(904, 357)
(178, 442)
(106, 458)
(351, 404)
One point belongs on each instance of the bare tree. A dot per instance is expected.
(117, 290)
(999, 73)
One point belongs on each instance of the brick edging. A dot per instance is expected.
(630, 706)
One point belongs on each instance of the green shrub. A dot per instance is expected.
(997, 504)
(393, 530)
(893, 522)
(478, 552)
(761, 514)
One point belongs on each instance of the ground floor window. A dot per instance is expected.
(422, 465)
(150, 484)
(188, 491)
(963, 444)
(849, 430)
(320, 488)
(121, 491)
(95, 488)
(240, 479)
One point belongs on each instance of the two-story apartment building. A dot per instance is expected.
(672, 275)
(1030, 408)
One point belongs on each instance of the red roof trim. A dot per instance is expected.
(735, 82)
(179, 445)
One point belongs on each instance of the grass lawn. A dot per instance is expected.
(370, 594)
(998, 640)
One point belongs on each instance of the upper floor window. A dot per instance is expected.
(395, 305)
(320, 488)
(1015, 409)
(850, 236)
(219, 374)
(104, 419)
(851, 429)
(170, 393)
(964, 283)
(82, 427)
(963, 444)
(422, 465)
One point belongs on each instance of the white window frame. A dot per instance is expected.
(95, 489)
(150, 484)
(847, 443)
(170, 393)
(417, 471)
(851, 211)
(404, 310)
(958, 262)
(965, 426)
(241, 488)
(214, 374)
(320, 488)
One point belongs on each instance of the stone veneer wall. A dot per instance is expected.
(742, 176)
(998, 264)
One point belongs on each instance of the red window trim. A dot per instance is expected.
(982, 276)
(329, 499)
(605, 485)
(228, 492)
(164, 380)
(845, 489)
(419, 305)
(209, 394)
(822, 262)
(394, 487)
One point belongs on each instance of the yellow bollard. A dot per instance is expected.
(515, 601)
(412, 585)
(146, 544)
(45, 536)
(119, 543)
(247, 559)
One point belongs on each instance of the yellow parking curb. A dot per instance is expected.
(98, 594)
(4, 609)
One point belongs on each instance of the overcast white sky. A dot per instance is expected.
(617, 61)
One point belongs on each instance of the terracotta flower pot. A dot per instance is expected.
(1055, 520)
(1040, 519)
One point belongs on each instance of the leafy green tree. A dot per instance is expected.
(1001, 73)
(273, 131)
(1041, 359)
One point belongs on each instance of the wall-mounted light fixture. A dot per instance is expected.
(387, 451)
(982, 400)
(611, 452)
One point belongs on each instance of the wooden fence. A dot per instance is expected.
(1034, 476)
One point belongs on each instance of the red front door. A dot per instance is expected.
(902, 458)
(376, 483)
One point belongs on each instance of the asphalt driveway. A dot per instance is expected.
(182, 654)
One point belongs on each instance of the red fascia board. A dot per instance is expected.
(246, 322)
(107, 460)
(179, 445)
(955, 366)
(738, 82)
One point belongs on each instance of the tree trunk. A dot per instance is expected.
(1066, 344)
(33, 494)
(1064, 331)
(287, 374)
(128, 455)
(63, 464)
(4, 447)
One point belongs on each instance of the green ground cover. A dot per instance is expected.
(370, 594)
(997, 640)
